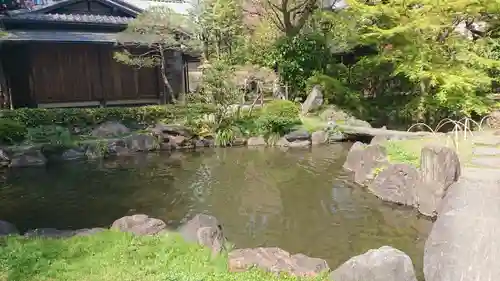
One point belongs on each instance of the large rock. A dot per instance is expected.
(396, 184)
(364, 160)
(319, 137)
(204, 230)
(440, 167)
(463, 243)
(73, 154)
(276, 260)
(110, 129)
(383, 264)
(314, 100)
(299, 135)
(256, 141)
(27, 158)
(7, 228)
(142, 142)
(4, 157)
(139, 224)
(174, 130)
(49, 233)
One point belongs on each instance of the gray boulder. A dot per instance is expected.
(7, 228)
(313, 101)
(440, 168)
(48, 233)
(204, 230)
(363, 161)
(142, 142)
(299, 135)
(139, 224)
(28, 157)
(110, 129)
(256, 141)
(396, 184)
(73, 154)
(382, 264)
(319, 137)
(276, 260)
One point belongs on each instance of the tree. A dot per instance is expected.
(151, 36)
(220, 27)
(437, 46)
(288, 16)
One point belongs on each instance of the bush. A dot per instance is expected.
(49, 134)
(89, 117)
(11, 131)
(279, 117)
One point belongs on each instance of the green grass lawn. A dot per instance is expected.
(115, 256)
(408, 151)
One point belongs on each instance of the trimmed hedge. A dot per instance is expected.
(68, 117)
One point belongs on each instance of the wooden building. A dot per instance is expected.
(61, 55)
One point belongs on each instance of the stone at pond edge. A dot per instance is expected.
(364, 160)
(439, 168)
(110, 129)
(139, 224)
(6, 228)
(256, 141)
(142, 142)
(49, 233)
(174, 130)
(319, 137)
(397, 184)
(276, 260)
(204, 230)
(73, 154)
(383, 264)
(299, 135)
(299, 144)
(4, 158)
(28, 157)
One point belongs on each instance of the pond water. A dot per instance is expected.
(299, 200)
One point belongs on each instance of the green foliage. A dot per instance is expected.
(279, 116)
(219, 26)
(110, 256)
(11, 131)
(50, 134)
(299, 57)
(224, 136)
(88, 117)
(218, 88)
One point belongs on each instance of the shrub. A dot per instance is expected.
(50, 134)
(87, 117)
(279, 116)
(11, 131)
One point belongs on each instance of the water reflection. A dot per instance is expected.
(299, 200)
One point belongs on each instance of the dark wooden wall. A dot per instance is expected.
(65, 73)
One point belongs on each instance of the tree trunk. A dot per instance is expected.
(163, 66)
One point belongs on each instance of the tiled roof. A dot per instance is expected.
(80, 18)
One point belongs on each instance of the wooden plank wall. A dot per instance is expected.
(64, 73)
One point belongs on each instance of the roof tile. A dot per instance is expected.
(80, 18)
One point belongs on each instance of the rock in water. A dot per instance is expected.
(383, 264)
(276, 260)
(7, 228)
(139, 224)
(363, 161)
(204, 230)
(440, 167)
(396, 184)
(314, 100)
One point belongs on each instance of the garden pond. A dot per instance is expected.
(299, 200)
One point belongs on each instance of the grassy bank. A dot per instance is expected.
(408, 151)
(112, 256)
